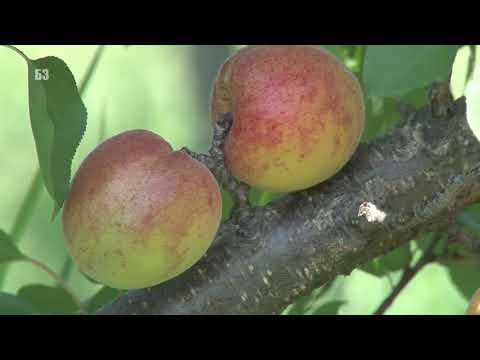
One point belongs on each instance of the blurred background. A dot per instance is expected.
(165, 89)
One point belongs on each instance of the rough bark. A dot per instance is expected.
(413, 180)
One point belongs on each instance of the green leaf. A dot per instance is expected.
(394, 70)
(330, 308)
(395, 260)
(48, 299)
(8, 250)
(58, 118)
(13, 305)
(227, 204)
(470, 219)
(381, 114)
(472, 95)
(104, 296)
(426, 241)
(417, 97)
(314, 304)
(257, 197)
(464, 274)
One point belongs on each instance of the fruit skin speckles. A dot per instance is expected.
(298, 115)
(139, 213)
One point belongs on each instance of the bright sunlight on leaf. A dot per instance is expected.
(472, 95)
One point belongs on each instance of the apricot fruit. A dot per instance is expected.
(139, 213)
(298, 115)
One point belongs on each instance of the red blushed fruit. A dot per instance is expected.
(138, 213)
(298, 115)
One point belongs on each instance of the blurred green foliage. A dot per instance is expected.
(166, 89)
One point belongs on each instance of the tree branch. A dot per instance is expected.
(416, 179)
(408, 274)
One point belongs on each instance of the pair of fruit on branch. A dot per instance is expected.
(139, 213)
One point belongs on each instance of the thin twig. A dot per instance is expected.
(60, 282)
(408, 274)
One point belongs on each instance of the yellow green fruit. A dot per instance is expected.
(298, 115)
(138, 213)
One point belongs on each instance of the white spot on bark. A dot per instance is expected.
(244, 296)
(228, 265)
(371, 213)
(193, 292)
(144, 304)
(265, 280)
(251, 268)
(269, 273)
